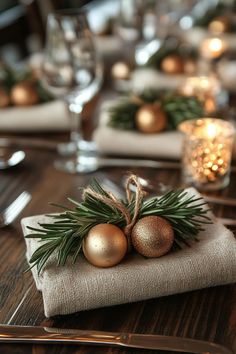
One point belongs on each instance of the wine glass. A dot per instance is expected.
(72, 70)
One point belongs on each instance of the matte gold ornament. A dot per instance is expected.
(4, 98)
(151, 118)
(24, 94)
(105, 245)
(220, 24)
(172, 64)
(120, 71)
(152, 236)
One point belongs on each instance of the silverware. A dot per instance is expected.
(8, 215)
(93, 162)
(16, 158)
(28, 334)
(34, 143)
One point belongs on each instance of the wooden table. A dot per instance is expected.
(208, 314)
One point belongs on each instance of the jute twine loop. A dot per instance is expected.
(115, 203)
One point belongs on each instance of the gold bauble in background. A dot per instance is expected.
(120, 71)
(105, 245)
(4, 98)
(190, 66)
(151, 118)
(220, 24)
(152, 236)
(172, 64)
(24, 94)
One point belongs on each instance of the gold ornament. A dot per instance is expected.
(152, 236)
(172, 64)
(105, 245)
(120, 71)
(24, 94)
(190, 66)
(4, 98)
(220, 24)
(151, 118)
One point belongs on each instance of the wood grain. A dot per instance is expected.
(208, 314)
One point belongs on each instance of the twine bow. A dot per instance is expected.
(116, 203)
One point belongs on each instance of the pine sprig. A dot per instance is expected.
(64, 236)
(183, 51)
(176, 106)
(9, 77)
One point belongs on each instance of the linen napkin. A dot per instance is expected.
(130, 143)
(112, 141)
(81, 286)
(46, 117)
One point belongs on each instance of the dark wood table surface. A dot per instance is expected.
(208, 314)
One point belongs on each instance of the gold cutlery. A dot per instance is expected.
(29, 334)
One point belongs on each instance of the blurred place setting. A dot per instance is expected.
(117, 176)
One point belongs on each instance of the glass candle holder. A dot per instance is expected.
(207, 152)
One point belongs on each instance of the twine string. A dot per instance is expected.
(115, 203)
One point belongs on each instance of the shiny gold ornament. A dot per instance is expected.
(152, 236)
(24, 94)
(220, 24)
(120, 71)
(105, 245)
(4, 98)
(172, 64)
(151, 118)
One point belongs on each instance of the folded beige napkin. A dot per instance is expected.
(196, 35)
(129, 143)
(46, 117)
(150, 78)
(81, 286)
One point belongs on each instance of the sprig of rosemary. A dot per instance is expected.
(64, 236)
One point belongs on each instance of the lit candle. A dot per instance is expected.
(207, 152)
(205, 88)
(212, 48)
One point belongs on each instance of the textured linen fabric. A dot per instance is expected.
(112, 141)
(46, 117)
(120, 142)
(81, 286)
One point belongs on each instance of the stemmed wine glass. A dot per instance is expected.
(72, 70)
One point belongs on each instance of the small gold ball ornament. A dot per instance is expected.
(220, 24)
(151, 118)
(120, 71)
(105, 245)
(190, 66)
(4, 98)
(172, 64)
(152, 236)
(24, 94)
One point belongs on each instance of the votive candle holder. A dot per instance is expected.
(207, 152)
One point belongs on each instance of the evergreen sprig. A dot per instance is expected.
(9, 77)
(64, 236)
(183, 51)
(176, 106)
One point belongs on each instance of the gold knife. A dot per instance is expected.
(46, 335)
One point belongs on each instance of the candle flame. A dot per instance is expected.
(216, 45)
(211, 130)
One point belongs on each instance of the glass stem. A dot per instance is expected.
(75, 111)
